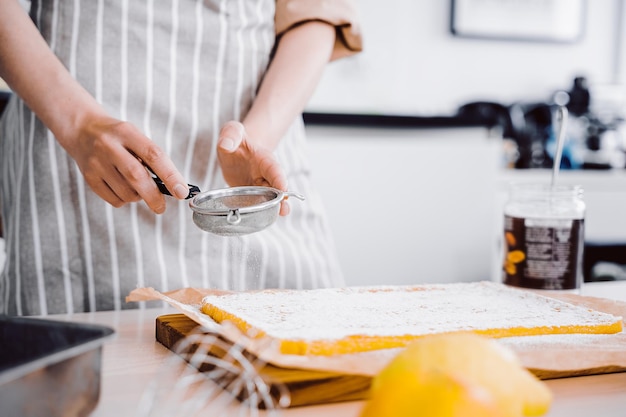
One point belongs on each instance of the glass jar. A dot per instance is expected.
(544, 237)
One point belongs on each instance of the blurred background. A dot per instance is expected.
(415, 140)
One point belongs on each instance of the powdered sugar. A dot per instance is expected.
(327, 314)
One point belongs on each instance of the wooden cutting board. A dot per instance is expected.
(306, 387)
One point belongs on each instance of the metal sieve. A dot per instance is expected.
(233, 211)
(238, 210)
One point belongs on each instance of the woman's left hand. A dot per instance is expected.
(244, 163)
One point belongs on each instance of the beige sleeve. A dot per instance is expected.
(340, 13)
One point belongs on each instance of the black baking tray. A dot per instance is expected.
(50, 368)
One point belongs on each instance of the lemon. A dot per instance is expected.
(466, 371)
(434, 394)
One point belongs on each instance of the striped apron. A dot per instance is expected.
(177, 70)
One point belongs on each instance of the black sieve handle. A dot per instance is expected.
(193, 189)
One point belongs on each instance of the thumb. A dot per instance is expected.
(231, 136)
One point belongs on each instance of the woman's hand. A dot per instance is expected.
(285, 89)
(244, 163)
(246, 153)
(113, 155)
(108, 152)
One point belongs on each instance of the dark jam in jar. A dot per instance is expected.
(544, 237)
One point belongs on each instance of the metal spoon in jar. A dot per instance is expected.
(562, 112)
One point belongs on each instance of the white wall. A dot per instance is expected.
(409, 205)
(412, 64)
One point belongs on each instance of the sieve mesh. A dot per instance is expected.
(229, 202)
(237, 210)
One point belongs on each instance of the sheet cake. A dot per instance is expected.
(356, 319)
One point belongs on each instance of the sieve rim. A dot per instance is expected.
(196, 201)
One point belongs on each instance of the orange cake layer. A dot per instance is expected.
(356, 319)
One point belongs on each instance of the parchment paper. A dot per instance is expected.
(547, 356)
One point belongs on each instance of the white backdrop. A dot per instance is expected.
(409, 206)
(412, 64)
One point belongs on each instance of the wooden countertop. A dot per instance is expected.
(133, 358)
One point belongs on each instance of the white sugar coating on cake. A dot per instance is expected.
(401, 310)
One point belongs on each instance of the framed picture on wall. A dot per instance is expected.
(522, 20)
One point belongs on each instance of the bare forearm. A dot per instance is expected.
(105, 149)
(294, 73)
(33, 72)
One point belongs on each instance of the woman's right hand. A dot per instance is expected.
(112, 156)
(110, 153)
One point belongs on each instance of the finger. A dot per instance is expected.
(130, 173)
(121, 187)
(163, 167)
(124, 193)
(272, 172)
(102, 189)
(285, 209)
(145, 187)
(156, 202)
(111, 186)
(150, 194)
(231, 136)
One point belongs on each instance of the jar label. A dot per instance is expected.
(543, 253)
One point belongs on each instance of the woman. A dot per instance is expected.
(203, 92)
